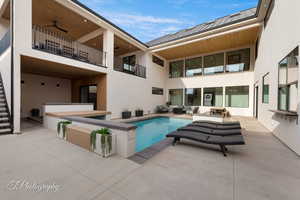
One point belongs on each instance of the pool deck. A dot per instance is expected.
(263, 169)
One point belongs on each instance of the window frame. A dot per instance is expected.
(203, 96)
(287, 85)
(193, 58)
(185, 96)
(182, 97)
(227, 106)
(263, 88)
(131, 67)
(161, 91)
(241, 57)
(181, 71)
(223, 53)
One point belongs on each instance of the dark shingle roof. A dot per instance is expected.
(223, 21)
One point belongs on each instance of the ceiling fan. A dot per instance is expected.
(55, 25)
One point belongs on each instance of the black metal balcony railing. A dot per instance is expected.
(137, 70)
(5, 42)
(55, 43)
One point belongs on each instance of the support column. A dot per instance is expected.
(108, 48)
(22, 42)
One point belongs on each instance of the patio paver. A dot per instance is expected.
(262, 169)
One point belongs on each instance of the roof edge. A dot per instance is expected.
(109, 22)
(258, 8)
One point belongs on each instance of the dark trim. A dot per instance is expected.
(103, 123)
(269, 12)
(12, 65)
(107, 21)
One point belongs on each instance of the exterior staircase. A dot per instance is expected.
(5, 120)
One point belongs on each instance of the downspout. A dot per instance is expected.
(12, 64)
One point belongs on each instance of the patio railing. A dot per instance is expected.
(136, 70)
(55, 43)
(5, 42)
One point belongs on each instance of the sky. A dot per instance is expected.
(149, 19)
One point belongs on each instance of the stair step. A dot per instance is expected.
(4, 125)
(3, 114)
(4, 131)
(2, 109)
(2, 105)
(4, 119)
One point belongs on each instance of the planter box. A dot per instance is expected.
(98, 149)
(139, 113)
(81, 136)
(126, 115)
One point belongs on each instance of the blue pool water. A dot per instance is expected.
(154, 130)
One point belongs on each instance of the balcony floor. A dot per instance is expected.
(262, 169)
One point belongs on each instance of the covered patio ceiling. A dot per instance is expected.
(46, 11)
(213, 44)
(47, 68)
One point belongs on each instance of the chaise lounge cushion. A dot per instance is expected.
(217, 125)
(208, 139)
(210, 131)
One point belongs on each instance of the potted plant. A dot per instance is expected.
(139, 112)
(126, 114)
(102, 142)
(168, 103)
(61, 128)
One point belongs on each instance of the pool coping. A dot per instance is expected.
(148, 153)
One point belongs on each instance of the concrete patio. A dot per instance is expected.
(262, 169)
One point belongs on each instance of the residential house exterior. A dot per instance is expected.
(62, 51)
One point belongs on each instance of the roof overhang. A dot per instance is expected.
(234, 38)
(89, 14)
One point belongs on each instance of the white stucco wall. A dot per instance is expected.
(35, 95)
(131, 92)
(280, 37)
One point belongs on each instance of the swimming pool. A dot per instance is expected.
(153, 130)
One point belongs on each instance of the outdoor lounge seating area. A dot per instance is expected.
(222, 134)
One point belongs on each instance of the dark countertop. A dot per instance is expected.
(103, 123)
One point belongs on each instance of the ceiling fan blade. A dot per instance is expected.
(61, 29)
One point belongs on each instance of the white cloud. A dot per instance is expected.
(145, 26)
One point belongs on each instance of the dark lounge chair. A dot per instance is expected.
(208, 139)
(217, 125)
(210, 131)
(162, 109)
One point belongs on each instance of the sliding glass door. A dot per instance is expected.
(88, 94)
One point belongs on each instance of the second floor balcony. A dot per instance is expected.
(129, 66)
(52, 42)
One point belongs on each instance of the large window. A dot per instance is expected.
(129, 63)
(193, 97)
(266, 88)
(288, 82)
(193, 67)
(176, 69)
(213, 97)
(214, 64)
(238, 61)
(237, 96)
(176, 97)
